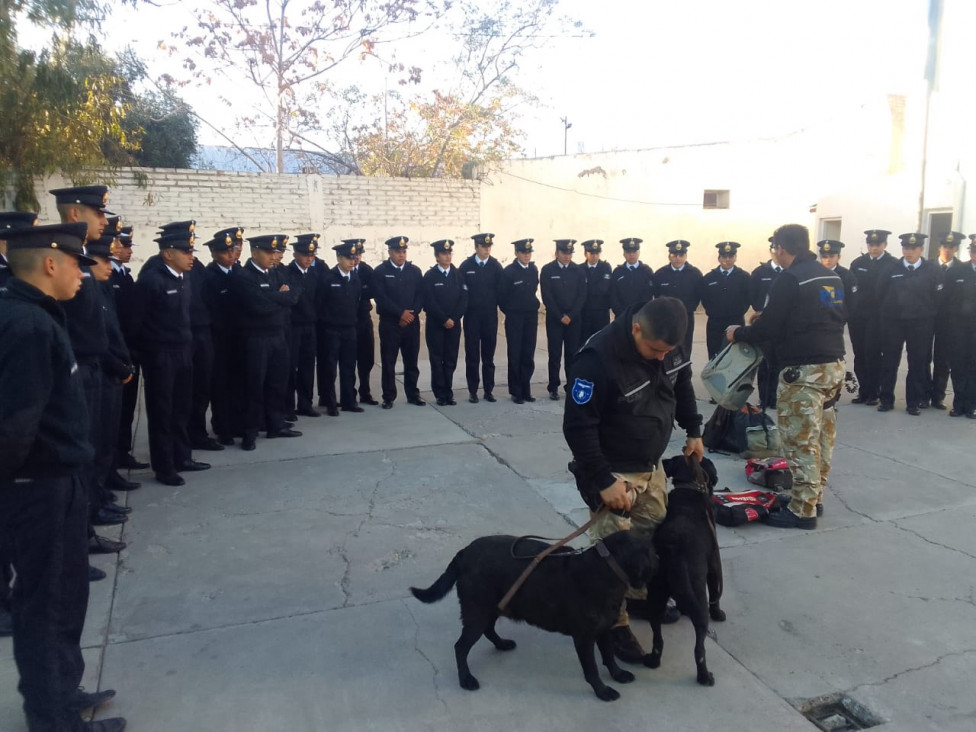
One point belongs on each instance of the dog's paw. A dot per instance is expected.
(470, 683)
(504, 644)
(716, 613)
(607, 693)
(621, 676)
(705, 677)
(652, 660)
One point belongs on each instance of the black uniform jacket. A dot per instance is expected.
(396, 290)
(850, 289)
(726, 297)
(684, 284)
(43, 417)
(219, 296)
(563, 290)
(304, 311)
(910, 294)
(804, 318)
(597, 286)
(630, 287)
(868, 273)
(761, 281)
(445, 297)
(959, 293)
(85, 314)
(482, 282)
(620, 408)
(365, 274)
(517, 288)
(162, 310)
(337, 300)
(261, 306)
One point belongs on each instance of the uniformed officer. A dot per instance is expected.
(338, 310)
(518, 301)
(365, 337)
(226, 385)
(165, 345)
(320, 268)
(631, 282)
(725, 295)
(960, 295)
(279, 276)
(445, 301)
(304, 317)
(263, 305)
(563, 293)
(865, 323)
(43, 501)
(397, 286)
(482, 274)
(596, 304)
(630, 382)
(123, 285)
(830, 252)
(910, 291)
(681, 279)
(10, 221)
(945, 328)
(761, 281)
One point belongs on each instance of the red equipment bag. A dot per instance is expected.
(773, 473)
(735, 509)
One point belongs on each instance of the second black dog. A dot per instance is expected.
(577, 594)
(690, 562)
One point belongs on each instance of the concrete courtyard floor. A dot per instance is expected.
(271, 592)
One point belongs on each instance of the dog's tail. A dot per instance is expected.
(442, 586)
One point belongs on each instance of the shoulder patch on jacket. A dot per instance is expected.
(582, 391)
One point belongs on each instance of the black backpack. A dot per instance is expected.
(726, 430)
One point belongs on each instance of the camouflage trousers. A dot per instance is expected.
(808, 430)
(649, 505)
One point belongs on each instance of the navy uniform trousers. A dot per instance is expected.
(443, 345)
(915, 334)
(340, 356)
(867, 342)
(169, 380)
(563, 341)
(266, 360)
(521, 332)
(303, 346)
(45, 525)
(365, 353)
(405, 342)
(130, 398)
(480, 340)
(203, 363)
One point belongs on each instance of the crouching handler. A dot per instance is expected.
(628, 385)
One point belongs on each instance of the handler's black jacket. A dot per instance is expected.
(631, 287)
(445, 297)
(396, 290)
(868, 274)
(684, 284)
(563, 290)
(804, 318)
(482, 283)
(517, 288)
(43, 417)
(597, 286)
(162, 310)
(262, 307)
(621, 407)
(726, 298)
(304, 311)
(337, 299)
(910, 294)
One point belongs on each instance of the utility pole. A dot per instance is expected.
(566, 125)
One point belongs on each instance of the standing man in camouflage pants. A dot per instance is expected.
(805, 320)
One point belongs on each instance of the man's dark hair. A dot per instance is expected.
(663, 319)
(24, 261)
(794, 238)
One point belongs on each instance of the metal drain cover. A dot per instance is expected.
(837, 713)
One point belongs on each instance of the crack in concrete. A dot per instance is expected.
(930, 541)
(971, 600)
(419, 650)
(923, 667)
(893, 459)
(839, 496)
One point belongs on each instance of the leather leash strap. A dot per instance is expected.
(545, 553)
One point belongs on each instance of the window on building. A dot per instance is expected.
(940, 222)
(830, 229)
(715, 199)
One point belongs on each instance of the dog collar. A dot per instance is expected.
(605, 554)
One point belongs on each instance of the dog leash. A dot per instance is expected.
(549, 550)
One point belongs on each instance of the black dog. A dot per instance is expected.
(691, 566)
(575, 593)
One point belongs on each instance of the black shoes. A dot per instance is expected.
(332, 411)
(387, 405)
(940, 405)
(115, 724)
(309, 412)
(192, 466)
(284, 432)
(368, 400)
(473, 398)
(786, 519)
(130, 463)
(518, 400)
(101, 545)
(885, 407)
(446, 402)
(914, 411)
(82, 700)
(554, 395)
(417, 402)
(95, 574)
(248, 444)
(116, 508)
(226, 440)
(209, 444)
(489, 397)
(626, 647)
(355, 409)
(172, 479)
(116, 482)
(108, 518)
(529, 398)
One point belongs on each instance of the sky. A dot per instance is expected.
(653, 72)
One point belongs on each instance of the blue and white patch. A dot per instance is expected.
(582, 391)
